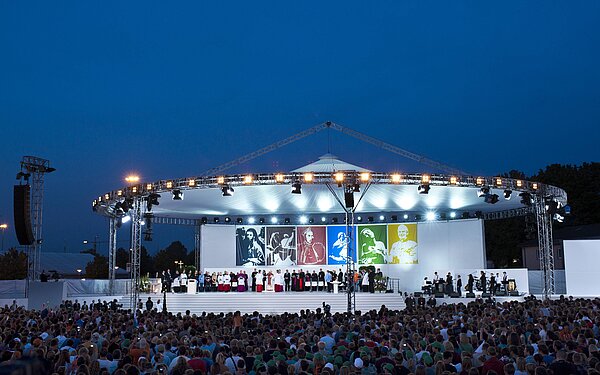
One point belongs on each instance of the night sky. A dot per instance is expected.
(170, 90)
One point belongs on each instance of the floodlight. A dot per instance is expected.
(430, 215)
(507, 194)
(424, 189)
(297, 188)
(177, 195)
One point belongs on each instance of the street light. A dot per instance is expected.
(3, 227)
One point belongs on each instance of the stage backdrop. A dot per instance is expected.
(581, 267)
(409, 253)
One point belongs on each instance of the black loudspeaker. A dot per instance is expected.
(418, 294)
(470, 295)
(514, 293)
(439, 295)
(485, 295)
(22, 215)
(454, 295)
(349, 199)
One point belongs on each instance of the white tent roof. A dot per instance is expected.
(330, 163)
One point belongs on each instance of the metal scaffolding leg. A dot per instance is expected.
(197, 252)
(545, 246)
(37, 201)
(112, 254)
(135, 250)
(350, 265)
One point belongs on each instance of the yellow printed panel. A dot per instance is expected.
(403, 245)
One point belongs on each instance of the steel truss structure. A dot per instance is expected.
(35, 168)
(106, 204)
(545, 245)
(112, 253)
(135, 250)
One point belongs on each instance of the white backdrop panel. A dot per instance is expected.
(217, 246)
(581, 267)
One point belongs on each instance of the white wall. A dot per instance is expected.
(581, 267)
(443, 246)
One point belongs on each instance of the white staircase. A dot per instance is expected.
(270, 303)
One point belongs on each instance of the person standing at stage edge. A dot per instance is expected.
(371, 281)
(254, 280)
(482, 281)
(287, 277)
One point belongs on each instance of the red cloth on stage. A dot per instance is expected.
(226, 287)
(220, 287)
(278, 288)
(259, 288)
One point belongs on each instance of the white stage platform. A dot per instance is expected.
(271, 303)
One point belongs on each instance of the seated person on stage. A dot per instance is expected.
(426, 287)
(176, 284)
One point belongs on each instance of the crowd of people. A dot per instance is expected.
(483, 337)
(276, 280)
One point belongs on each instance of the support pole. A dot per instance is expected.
(135, 250)
(112, 254)
(545, 245)
(197, 244)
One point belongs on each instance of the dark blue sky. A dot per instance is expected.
(105, 88)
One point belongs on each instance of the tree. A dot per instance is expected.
(146, 262)
(97, 268)
(166, 258)
(122, 258)
(14, 265)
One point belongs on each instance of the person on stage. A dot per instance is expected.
(470, 283)
(294, 280)
(226, 281)
(279, 281)
(183, 281)
(341, 279)
(300, 286)
(482, 281)
(365, 282)
(254, 273)
(371, 276)
(321, 278)
(307, 281)
(270, 282)
(328, 281)
(492, 284)
(234, 281)
(200, 282)
(259, 282)
(287, 278)
(315, 281)
(176, 284)
(240, 281)
(449, 283)
(220, 282)
(458, 285)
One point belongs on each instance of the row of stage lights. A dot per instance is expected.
(348, 179)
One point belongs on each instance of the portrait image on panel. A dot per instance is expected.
(403, 240)
(337, 244)
(372, 248)
(281, 246)
(311, 245)
(250, 246)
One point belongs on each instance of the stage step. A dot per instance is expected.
(270, 303)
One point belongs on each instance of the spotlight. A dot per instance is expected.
(125, 219)
(311, 220)
(443, 216)
(204, 220)
(261, 220)
(526, 199)
(303, 219)
(551, 206)
(394, 217)
(273, 220)
(370, 219)
(381, 218)
(405, 216)
(452, 215)
(491, 198)
(424, 189)
(507, 194)
(483, 191)
(558, 217)
(356, 188)
(323, 219)
(239, 220)
(334, 220)
(216, 220)
(465, 215)
(227, 191)
(430, 215)
(418, 217)
(152, 200)
(227, 219)
(251, 220)
(177, 195)
(286, 220)
(296, 188)
(359, 218)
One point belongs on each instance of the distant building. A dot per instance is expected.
(530, 250)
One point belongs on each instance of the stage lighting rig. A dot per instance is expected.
(491, 198)
(424, 189)
(484, 191)
(507, 194)
(526, 199)
(227, 191)
(177, 195)
(152, 200)
(297, 187)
